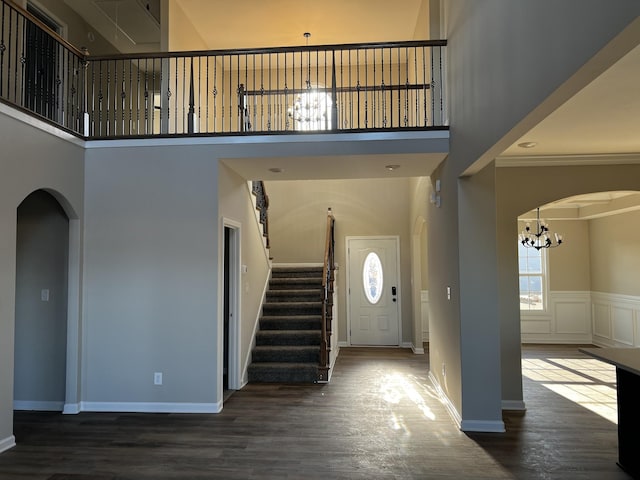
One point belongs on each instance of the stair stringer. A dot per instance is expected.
(256, 325)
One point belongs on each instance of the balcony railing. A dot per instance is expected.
(363, 87)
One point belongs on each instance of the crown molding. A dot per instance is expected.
(568, 160)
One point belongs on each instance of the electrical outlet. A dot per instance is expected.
(157, 378)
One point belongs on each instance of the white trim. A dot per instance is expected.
(256, 326)
(565, 160)
(425, 311)
(153, 407)
(7, 443)
(615, 319)
(73, 386)
(491, 426)
(568, 319)
(71, 409)
(514, 405)
(302, 139)
(235, 283)
(40, 406)
(342, 343)
(451, 409)
(417, 350)
(396, 238)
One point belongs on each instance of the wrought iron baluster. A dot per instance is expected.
(415, 76)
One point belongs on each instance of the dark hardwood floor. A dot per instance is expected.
(379, 418)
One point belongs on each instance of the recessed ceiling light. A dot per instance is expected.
(391, 168)
(276, 170)
(527, 144)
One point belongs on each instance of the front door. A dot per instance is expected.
(374, 296)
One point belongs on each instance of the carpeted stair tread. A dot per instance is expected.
(295, 283)
(298, 272)
(286, 354)
(292, 308)
(290, 322)
(287, 295)
(287, 345)
(278, 372)
(288, 337)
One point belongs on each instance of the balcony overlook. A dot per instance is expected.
(384, 86)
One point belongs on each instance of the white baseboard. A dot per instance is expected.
(38, 406)
(71, 409)
(406, 345)
(142, 407)
(516, 405)
(417, 350)
(7, 443)
(490, 426)
(453, 412)
(342, 344)
(557, 339)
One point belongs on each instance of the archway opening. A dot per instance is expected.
(41, 304)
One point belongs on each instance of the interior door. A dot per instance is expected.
(374, 296)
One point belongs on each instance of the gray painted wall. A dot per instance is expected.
(41, 325)
(504, 59)
(151, 263)
(32, 159)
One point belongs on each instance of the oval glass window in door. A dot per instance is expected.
(372, 277)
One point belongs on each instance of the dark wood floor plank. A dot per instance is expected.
(379, 418)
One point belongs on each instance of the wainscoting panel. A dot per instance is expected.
(616, 320)
(567, 320)
(424, 309)
(622, 325)
(601, 319)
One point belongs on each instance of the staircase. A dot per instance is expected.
(288, 343)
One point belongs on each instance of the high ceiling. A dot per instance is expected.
(599, 124)
(278, 23)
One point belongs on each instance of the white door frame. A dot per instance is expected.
(396, 238)
(235, 242)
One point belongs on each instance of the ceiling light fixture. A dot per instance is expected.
(541, 238)
(527, 144)
(276, 170)
(391, 168)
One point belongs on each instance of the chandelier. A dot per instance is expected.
(541, 237)
(311, 108)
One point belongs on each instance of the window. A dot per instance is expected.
(532, 266)
(372, 279)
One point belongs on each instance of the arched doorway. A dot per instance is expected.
(41, 305)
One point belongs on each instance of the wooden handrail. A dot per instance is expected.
(327, 293)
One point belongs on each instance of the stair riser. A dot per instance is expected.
(288, 296)
(282, 309)
(294, 324)
(268, 338)
(285, 273)
(281, 375)
(295, 284)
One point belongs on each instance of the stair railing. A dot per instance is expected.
(262, 205)
(328, 272)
